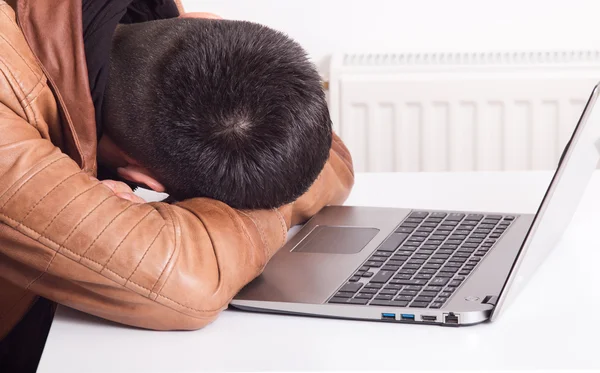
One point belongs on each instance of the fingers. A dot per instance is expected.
(200, 15)
(121, 189)
(131, 197)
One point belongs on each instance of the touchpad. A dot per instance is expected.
(336, 240)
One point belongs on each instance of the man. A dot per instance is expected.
(67, 238)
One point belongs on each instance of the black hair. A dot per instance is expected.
(229, 110)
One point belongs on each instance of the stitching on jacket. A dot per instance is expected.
(44, 197)
(282, 221)
(83, 219)
(28, 180)
(145, 252)
(175, 248)
(124, 238)
(103, 229)
(106, 269)
(257, 228)
(67, 205)
(19, 54)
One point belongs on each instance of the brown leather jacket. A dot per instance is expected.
(68, 238)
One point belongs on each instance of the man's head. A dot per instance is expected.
(229, 110)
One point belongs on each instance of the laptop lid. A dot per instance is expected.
(578, 162)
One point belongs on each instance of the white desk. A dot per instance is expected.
(554, 324)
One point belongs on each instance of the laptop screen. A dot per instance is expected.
(578, 162)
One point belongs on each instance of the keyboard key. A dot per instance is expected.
(436, 261)
(480, 253)
(489, 221)
(509, 218)
(368, 274)
(440, 237)
(474, 240)
(429, 225)
(454, 242)
(420, 234)
(403, 252)
(428, 271)
(364, 295)
(482, 231)
(404, 298)
(414, 244)
(440, 281)
(411, 266)
(354, 278)
(360, 301)
(344, 294)
(383, 297)
(486, 226)
(450, 247)
(436, 305)
(413, 220)
(393, 241)
(395, 287)
(433, 288)
(432, 265)
(351, 287)
(395, 262)
(451, 223)
(388, 303)
(457, 237)
(475, 217)
(382, 253)
(374, 264)
(433, 220)
(413, 288)
(455, 283)
(419, 214)
(411, 293)
(429, 293)
(471, 245)
(407, 271)
(474, 260)
(390, 268)
(478, 235)
(366, 290)
(493, 235)
(441, 299)
(449, 269)
(409, 225)
(419, 304)
(450, 289)
(445, 274)
(423, 299)
(423, 277)
(464, 273)
(434, 242)
(416, 239)
(441, 256)
(383, 276)
(420, 256)
(388, 292)
(459, 278)
(338, 300)
(416, 261)
(425, 252)
(445, 251)
(364, 268)
(455, 216)
(373, 285)
(496, 217)
(404, 230)
(446, 294)
(411, 282)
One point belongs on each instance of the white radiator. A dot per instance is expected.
(459, 111)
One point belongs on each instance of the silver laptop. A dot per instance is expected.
(423, 266)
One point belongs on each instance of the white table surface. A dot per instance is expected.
(553, 324)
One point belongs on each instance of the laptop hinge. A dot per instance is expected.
(490, 299)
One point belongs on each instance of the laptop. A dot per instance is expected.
(451, 268)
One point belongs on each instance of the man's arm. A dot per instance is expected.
(69, 238)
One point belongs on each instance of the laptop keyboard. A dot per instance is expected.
(424, 261)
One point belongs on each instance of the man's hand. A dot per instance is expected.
(122, 190)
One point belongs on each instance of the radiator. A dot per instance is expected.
(467, 111)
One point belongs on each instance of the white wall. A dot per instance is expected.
(327, 26)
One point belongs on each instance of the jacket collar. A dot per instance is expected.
(53, 30)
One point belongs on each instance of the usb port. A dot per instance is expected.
(428, 318)
(407, 316)
(388, 316)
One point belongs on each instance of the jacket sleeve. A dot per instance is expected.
(153, 265)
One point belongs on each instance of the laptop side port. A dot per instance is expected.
(450, 318)
(428, 318)
(407, 317)
(388, 316)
